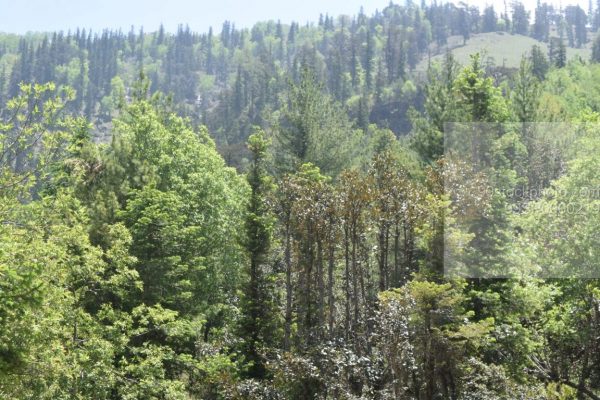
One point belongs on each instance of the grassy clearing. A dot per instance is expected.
(502, 48)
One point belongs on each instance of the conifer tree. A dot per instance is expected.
(258, 314)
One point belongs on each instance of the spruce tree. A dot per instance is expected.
(539, 62)
(596, 50)
(258, 313)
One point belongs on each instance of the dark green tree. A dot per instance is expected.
(490, 20)
(520, 19)
(526, 91)
(596, 50)
(428, 137)
(558, 52)
(464, 22)
(257, 325)
(541, 24)
(315, 129)
(596, 17)
(539, 62)
(576, 20)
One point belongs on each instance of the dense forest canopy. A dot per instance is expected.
(319, 211)
(231, 79)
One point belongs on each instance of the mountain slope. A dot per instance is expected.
(502, 48)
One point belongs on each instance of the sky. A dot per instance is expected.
(21, 16)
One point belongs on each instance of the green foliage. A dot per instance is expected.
(539, 63)
(33, 133)
(439, 109)
(596, 50)
(181, 204)
(477, 98)
(525, 93)
(103, 304)
(315, 129)
(144, 267)
(258, 324)
(427, 338)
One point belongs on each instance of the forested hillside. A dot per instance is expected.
(230, 79)
(296, 212)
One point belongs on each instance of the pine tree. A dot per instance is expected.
(596, 17)
(490, 21)
(315, 129)
(539, 62)
(581, 27)
(596, 50)
(209, 51)
(557, 52)
(561, 55)
(258, 313)
(369, 59)
(160, 38)
(525, 95)
(2, 85)
(464, 23)
(520, 19)
(363, 111)
(541, 25)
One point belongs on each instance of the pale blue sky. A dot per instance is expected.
(20, 16)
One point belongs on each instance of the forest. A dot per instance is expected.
(332, 210)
